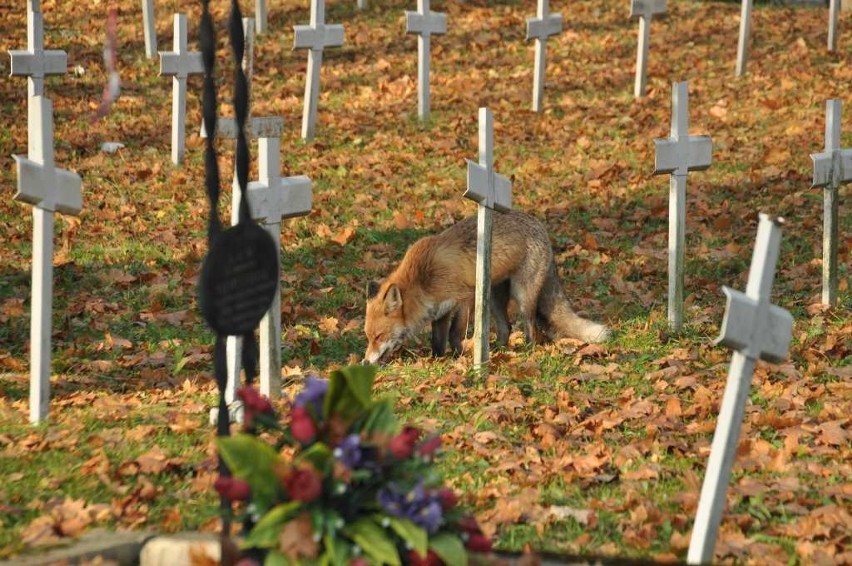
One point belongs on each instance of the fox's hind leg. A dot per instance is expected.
(440, 330)
(458, 328)
(500, 295)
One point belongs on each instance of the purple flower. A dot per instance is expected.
(313, 395)
(419, 506)
(349, 451)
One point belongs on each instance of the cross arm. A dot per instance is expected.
(541, 28)
(48, 187)
(310, 37)
(832, 167)
(743, 328)
(181, 64)
(678, 156)
(478, 188)
(433, 22)
(47, 62)
(287, 198)
(646, 8)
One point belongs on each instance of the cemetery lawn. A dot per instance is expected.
(565, 447)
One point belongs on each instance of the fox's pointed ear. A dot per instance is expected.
(393, 299)
(373, 288)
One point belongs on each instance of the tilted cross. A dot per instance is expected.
(677, 155)
(540, 28)
(36, 62)
(832, 168)
(424, 23)
(755, 329)
(491, 191)
(149, 28)
(49, 190)
(179, 63)
(315, 37)
(645, 10)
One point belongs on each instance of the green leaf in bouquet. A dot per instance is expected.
(336, 551)
(374, 540)
(267, 531)
(274, 558)
(349, 391)
(381, 419)
(252, 460)
(449, 548)
(415, 536)
(320, 457)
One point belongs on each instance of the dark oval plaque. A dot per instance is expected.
(238, 279)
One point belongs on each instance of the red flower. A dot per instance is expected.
(428, 447)
(232, 488)
(402, 445)
(254, 401)
(302, 425)
(448, 498)
(303, 484)
(431, 559)
(468, 525)
(359, 562)
(478, 542)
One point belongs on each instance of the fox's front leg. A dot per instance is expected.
(440, 330)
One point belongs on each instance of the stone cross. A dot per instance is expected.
(424, 23)
(832, 168)
(36, 62)
(645, 10)
(678, 155)
(49, 189)
(745, 37)
(754, 329)
(492, 191)
(833, 12)
(272, 199)
(149, 28)
(179, 63)
(540, 28)
(315, 37)
(260, 16)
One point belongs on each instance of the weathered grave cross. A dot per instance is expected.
(149, 28)
(754, 329)
(832, 168)
(678, 155)
(745, 37)
(424, 23)
(315, 37)
(272, 199)
(645, 10)
(833, 12)
(36, 62)
(179, 63)
(540, 28)
(49, 189)
(492, 191)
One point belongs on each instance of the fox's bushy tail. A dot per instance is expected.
(558, 320)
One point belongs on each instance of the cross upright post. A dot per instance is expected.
(755, 329)
(179, 63)
(678, 155)
(272, 199)
(540, 28)
(833, 13)
(832, 168)
(50, 190)
(149, 28)
(491, 191)
(745, 37)
(315, 37)
(424, 23)
(260, 15)
(645, 10)
(36, 62)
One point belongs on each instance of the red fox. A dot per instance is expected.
(436, 279)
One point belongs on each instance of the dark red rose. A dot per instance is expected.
(402, 445)
(428, 447)
(232, 488)
(468, 524)
(448, 498)
(478, 542)
(254, 401)
(247, 562)
(302, 425)
(431, 559)
(359, 562)
(303, 484)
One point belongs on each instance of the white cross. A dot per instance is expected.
(645, 10)
(260, 16)
(424, 23)
(36, 62)
(179, 63)
(745, 36)
(678, 155)
(149, 28)
(754, 329)
(272, 199)
(833, 13)
(315, 37)
(540, 28)
(491, 190)
(832, 168)
(49, 190)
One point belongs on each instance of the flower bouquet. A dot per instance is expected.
(343, 482)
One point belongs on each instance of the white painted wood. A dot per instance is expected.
(149, 28)
(833, 13)
(754, 329)
(832, 168)
(361, 4)
(315, 37)
(49, 190)
(677, 155)
(540, 28)
(260, 16)
(745, 37)
(179, 64)
(491, 191)
(645, 10)
(36, 62)
(272, 199)
(424, 23)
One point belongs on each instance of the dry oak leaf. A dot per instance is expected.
(297, 539)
